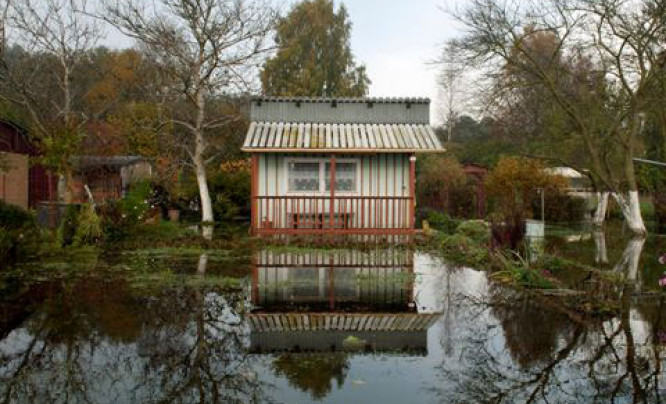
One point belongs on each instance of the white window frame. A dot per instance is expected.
(322, 175)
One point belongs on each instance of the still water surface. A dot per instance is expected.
(331, 326)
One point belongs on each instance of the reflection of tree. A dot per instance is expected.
(95, 340)
(67, 323)
(313, 373)
(531, 331)
(591, 362)
(628, 263)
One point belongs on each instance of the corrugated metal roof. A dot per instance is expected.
(313, 137)
(377, 100)
(341, 111)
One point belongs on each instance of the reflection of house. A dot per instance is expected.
(365, 146)
(21, 183)
(108, 177)
(316, 301)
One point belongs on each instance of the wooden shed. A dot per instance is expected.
(108, 177)
(367, 147)
(21, 183)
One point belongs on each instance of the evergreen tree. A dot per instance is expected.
(314, 56)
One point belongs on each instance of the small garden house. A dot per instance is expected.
(21, 183)
(367, 147)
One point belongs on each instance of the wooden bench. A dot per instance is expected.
(319, 220)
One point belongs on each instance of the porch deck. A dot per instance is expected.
(339, 215)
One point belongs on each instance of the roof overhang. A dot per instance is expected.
(345, 151)
(284, 137)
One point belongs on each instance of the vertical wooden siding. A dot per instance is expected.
(381, 175)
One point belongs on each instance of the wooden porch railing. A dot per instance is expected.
(306, 215)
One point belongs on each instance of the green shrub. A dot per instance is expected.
(6, 244)
(13, 217)
(477, 230)
(89, 228)
(18, 230)
(119, 218)
(442, 221)
(464, 250)
(66, 232)
(135, 204)
(231, 192)
(113, 225)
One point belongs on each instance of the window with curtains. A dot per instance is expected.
(345, 177)
(304, 176)
(314, 176)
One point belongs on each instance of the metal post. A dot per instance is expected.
(412, 192)
(332, 202)
(254, 214)
(542, 191)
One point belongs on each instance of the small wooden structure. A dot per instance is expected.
(108, 177)
(365, 146)
(476, 176)
(21, 183)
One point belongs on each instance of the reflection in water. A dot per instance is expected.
(97, 340)
(628, 263)
(333, 281)
(339, 326)
(316, 308)
(314, 373)
(556, 359)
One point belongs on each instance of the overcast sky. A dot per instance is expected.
(396, 39)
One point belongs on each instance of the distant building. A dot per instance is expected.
(578, 184)
(365, 146)
(107, 177)
(22, 183)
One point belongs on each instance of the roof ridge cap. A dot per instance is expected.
(385, 100)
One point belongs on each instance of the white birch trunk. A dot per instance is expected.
(602, 207)
(204, 193)
(601, 256)
(62, 189)
(631, 209)
(628, 264)
(200, 168)
(203, 263)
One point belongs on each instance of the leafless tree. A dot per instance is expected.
(207, 48)
(57, 36)
(604, 104)
(451, 82)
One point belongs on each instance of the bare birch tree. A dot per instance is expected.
(605, 105)
(56, 36)
(451, 82)
(206, 47)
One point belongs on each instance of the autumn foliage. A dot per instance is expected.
(512, 188)
(512, 185)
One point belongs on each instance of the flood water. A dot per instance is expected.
(332, 326)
